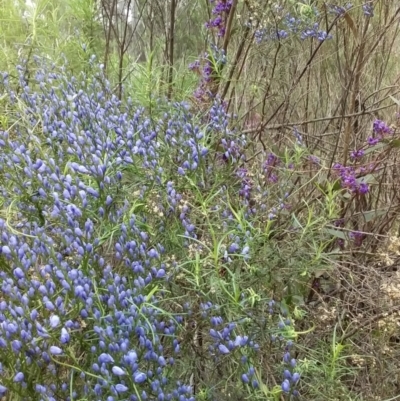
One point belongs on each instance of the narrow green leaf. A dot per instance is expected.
(335, 233)
(373, 214)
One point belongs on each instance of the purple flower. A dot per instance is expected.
(381, 128)
(356, 154)
(363, 188)
(195, 65)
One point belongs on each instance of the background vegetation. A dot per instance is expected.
(199, 200)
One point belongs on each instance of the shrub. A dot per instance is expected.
(126, 247)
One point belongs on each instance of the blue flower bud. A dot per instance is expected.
(18, 273)
(139, 377)
(223, 349)
(295, 377)
(121, 388)
(3, 390)
(55, 350)
(6, 250)
(287, 374)
(285, 386)
(118, 371)
(65, 337)
(54, 321)
(19, 377)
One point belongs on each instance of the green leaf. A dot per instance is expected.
(395, 100)
(369, 179)
(336, 186)
(395, 143)
(335, 233)
(298, 300)
(323, 187)
(378, 146)
(373, 214)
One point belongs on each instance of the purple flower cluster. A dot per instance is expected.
(220, 14)
(212, 62)
(291, 378)
(348, 179)
(381, 130)
(357, 237)
(351, 177)
(270, 166)
(357, 154)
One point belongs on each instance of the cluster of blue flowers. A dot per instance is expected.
(90, 185)
(304, 27)
(78, 271)
(290, 26)
(367, 8)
